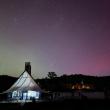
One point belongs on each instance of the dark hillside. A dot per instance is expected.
(64, 82)
(6, 82)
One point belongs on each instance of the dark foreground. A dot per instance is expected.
(59, 105)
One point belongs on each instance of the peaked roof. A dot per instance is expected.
(24, 83)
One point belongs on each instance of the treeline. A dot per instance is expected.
(65, 82)
(60, 83)
(6, 82)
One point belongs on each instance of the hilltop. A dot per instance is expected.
(64, 82)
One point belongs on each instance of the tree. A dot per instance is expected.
(51, 75)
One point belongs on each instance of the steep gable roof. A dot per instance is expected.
(24, 83)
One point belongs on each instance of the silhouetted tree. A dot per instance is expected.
(51, 75)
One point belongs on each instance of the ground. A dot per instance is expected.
(59, 105)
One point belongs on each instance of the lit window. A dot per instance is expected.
(15, 93)
(33, 94)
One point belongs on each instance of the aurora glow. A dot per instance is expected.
(65, 36)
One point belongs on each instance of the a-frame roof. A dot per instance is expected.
(24, 83)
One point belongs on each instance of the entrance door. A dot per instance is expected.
(24, 96)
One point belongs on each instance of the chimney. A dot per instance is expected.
(28, 67)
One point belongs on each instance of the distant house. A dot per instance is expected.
(82, 85)
(25, 88)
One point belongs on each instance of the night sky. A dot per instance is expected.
(64, 36)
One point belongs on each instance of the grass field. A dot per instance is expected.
(59, 105)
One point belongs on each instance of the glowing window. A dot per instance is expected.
(14, 93)
(33, 94)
